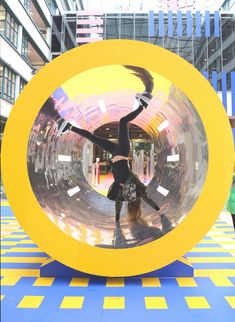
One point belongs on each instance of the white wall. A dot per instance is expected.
(5, 108)
(14, 60)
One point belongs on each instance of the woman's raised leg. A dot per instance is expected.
(123, 132)
(101, 142)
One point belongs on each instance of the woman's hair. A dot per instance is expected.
(134, 209)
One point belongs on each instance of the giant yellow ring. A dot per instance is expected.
(151, 256)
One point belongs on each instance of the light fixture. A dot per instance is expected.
(173, 158)
(62, 157)
(102, 106)
(73, 191)
(163, 125)
(162, 191)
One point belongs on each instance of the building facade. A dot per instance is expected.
(25, 42)
(205, 39)
(32, 32)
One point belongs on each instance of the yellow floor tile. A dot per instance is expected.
(150, 282)
(16, 236)
(226, 242)
(44, 281)
(155, 302)
(4, 203)
(8, 243)
(209, 250)
(222, 235)
(221, 281)
(30, 302)
(26, 242)
(72, 302)
(26, 250)
(79, 281)
(9, 280)
(111, 302)
(197, 302)
(115, 282)
(13, 236)
(2, 297)
(18, 272)
(231, 301)
(9, 227)
(186, 282)
(207, 241)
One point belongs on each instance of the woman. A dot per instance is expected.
(126, 185)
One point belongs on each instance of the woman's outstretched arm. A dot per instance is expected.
(150, 201)
(118, 207)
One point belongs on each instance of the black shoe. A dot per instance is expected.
(65, 127)
(144, 98)
(147, 95)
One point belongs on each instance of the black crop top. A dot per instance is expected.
(121, 171)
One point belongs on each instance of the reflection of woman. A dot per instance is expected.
(231, 201)
(126, 185)
(140, 229)
(143, 233)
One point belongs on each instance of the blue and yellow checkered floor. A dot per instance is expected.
(208, 297)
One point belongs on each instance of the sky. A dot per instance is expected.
(145, 5)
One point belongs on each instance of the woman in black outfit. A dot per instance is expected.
(126, 185)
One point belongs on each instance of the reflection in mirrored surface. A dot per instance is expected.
(55, 162)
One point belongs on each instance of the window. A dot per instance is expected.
(25, 46)
(227, 28)
(22, 84)
(2, 19)
(229, 53)
(11, 29)
(7, 84)
(52, 6)
(27, 5)
(1, 80)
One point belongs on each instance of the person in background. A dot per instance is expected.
(231, 201)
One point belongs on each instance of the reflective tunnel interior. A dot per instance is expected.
(55, 162)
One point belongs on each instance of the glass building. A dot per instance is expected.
(206, 40)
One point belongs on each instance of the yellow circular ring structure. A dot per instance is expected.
(158, 253)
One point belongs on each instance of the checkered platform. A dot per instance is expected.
(207, 297)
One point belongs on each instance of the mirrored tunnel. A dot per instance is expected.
(56, 161)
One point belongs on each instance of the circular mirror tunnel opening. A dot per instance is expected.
(170, 156)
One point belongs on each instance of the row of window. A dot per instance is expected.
(9, 27)
(8, 84)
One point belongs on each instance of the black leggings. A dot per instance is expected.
(122, 147)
